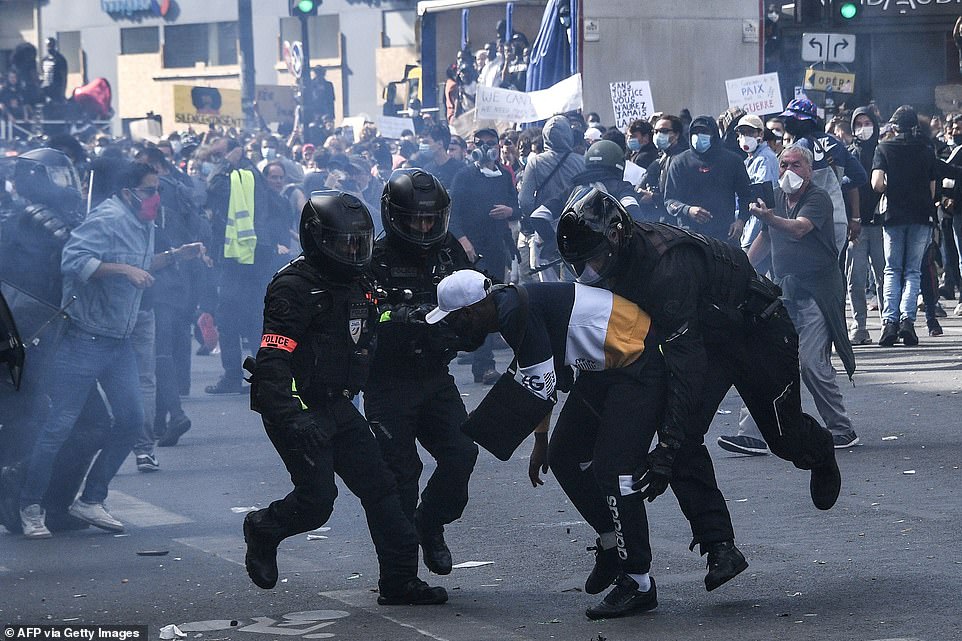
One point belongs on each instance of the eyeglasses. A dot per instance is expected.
(146, 191)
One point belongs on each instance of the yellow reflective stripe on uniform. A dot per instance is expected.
(628, 326)
(385, 317)
(295, 394)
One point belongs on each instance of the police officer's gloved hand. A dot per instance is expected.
(309, 434)
(652, 478)
(407, 314)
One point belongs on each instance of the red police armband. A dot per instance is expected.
(276, 341)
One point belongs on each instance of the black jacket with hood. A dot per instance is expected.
(710, 180)
(864, 150)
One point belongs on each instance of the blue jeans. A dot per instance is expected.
(80, 362)
(904, 247)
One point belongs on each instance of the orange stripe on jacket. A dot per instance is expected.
(628, 327)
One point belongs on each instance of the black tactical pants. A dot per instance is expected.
(601, 437)
(428, 411)
(353, 454)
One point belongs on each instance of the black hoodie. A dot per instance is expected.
(909, 164)
(865, 152)
(710, 180)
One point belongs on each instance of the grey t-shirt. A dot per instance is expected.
(815, 251)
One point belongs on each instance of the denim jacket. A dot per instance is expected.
(112, 233)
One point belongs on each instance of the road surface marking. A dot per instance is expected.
(141, 513)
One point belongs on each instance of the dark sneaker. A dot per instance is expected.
(825, 485)
(147, 463)
(742, 444)
(261, 556)
(225, 386)
(841, 441)
(606, 570)
(940, 311)
(890, 334)
(725, 562)
(176, 428)
(907, 333)
(934, 328)
(624, 599)
(414, 592)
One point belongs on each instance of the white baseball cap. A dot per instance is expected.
(461, 289)
(593, 134)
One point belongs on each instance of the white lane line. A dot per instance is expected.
(141, 513)
(452, 627)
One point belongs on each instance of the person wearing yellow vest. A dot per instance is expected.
(247, 228)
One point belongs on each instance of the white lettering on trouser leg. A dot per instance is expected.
(619, 533)
(775, 404)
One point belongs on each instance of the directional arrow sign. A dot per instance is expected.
(841, 48)
(815, 47)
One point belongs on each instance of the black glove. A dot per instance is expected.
(308, 433)
(652, 478)
(408, 314)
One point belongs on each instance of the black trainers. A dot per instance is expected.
(741, 444)
(225, 386)
(437, 556)
(606, 570)
(624, 599)
(935, 329)
(176, 428)
(825, 484)
(261, 556)
(414, 592)
(890, 334)
(841, 441)
(907, 333)
(725, 562)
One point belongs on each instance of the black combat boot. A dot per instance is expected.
(414, 592)
(261, 557)
(725, 562)
(437, 555)
(624, 599)
(825, 484)
(606, 569)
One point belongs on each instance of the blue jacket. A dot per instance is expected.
(112, 233)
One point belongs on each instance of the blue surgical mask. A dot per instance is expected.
(424, 148)
(663, 141)
(701, 142)
(634, 145)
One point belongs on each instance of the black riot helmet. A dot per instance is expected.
(593, 233)
(415, 208)
(47, 177)
(337, 234)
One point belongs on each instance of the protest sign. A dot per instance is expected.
(504, 105)
(207, 106)
(631, 101)
(756, 94)
(391, 126)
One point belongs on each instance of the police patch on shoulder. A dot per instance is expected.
(279, 307)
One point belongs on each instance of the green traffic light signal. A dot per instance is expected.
(305, 6)
(848, 10)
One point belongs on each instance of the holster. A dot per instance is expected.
(506, 416)
(250, 364)
(763, 299)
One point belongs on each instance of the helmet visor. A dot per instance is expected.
(423, 228)
(347, 247)
(63, 177)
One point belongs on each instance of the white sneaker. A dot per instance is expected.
(95, 514)
(958, 310)
(32, 519)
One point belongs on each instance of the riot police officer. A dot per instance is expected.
(410, 393)
(35, 227)
(320, 319)
(724, 325)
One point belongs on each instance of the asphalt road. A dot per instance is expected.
(885, 563)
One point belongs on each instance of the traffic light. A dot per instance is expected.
(848, 10)
(304, 8)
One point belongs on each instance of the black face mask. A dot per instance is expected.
(795, 127)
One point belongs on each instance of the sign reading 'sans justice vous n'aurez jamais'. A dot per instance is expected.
(916, 8)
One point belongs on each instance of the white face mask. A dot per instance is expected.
(790, 182)
(864, 133)
(748, 143)
(489, 173)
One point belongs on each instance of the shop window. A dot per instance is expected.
(212, 44)
(324, 32)
(69, 44)
(139, 40)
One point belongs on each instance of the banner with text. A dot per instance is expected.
(756, 94)
(518, 106)
(207, 106)
(631, 101)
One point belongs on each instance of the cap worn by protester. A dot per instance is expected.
(461, 289)
(801, 108)
(593, 134)
(751, 121)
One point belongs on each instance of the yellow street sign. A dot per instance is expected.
(837, 81)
